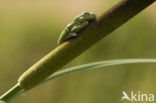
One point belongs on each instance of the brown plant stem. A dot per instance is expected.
(64, 53)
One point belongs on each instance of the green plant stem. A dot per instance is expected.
(13, 92)
(16, 90)
(67, 51)
(96, 65)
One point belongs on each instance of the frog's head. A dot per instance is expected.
(87, 16)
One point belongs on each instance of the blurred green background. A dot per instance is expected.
(29, 29)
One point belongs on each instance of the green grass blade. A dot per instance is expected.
(96, 65)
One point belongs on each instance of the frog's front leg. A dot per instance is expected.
(78, 28)
(64, 35)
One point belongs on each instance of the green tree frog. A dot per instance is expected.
(77, 25)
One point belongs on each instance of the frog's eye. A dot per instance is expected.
(86, 13)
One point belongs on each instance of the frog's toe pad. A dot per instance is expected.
(74, 34)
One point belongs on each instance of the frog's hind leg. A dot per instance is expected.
(76, 29)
